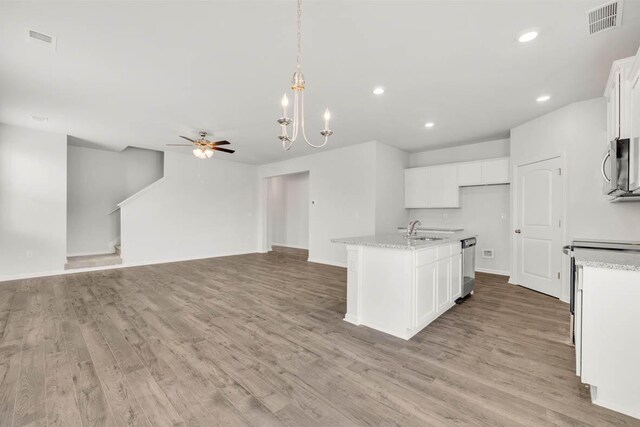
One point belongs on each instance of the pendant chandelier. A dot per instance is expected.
(297, 85)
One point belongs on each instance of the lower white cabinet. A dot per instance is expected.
(606, 337)
(438, 283)
(400, 291)
(456, 276)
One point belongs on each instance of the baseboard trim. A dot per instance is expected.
(323, 261)
(113, 267)
(289, 246)
(105, 252)
(491, 271)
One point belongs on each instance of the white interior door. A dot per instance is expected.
(538, 227)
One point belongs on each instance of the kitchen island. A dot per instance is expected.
(399, 285)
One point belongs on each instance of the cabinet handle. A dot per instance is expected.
(518, 231)
(602, 170)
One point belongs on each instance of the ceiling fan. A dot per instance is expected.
(202, 147)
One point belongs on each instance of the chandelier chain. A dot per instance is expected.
(298, 35)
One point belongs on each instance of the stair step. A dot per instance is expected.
(88, 261)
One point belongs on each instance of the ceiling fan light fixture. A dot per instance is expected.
(208, 152)
(199, 153)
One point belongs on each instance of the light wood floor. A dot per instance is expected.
(259, 340)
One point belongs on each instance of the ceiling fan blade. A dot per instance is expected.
(188, 139)
(180, 145)
(215, 144)
(223, 149)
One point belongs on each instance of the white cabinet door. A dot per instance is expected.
(425, 293)
(634, 115)
(495, 171)
(442, 187)
(456, 277)
(415, 188)
(469, 174)
(613, 108)
(443, 284)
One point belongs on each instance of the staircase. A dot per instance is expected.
(91, 261)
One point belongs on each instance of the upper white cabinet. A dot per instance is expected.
(618, 93)
(438, 186)
(442, 187)
(469, 174)
(495, 171)
(415, 188)
(634, 114)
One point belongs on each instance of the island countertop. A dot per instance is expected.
(398, 241)
(608, 259)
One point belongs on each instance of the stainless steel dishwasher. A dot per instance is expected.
(468, 267)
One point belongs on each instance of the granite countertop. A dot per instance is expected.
(397, 241)
(607, 259)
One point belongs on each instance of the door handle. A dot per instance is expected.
(518, 231)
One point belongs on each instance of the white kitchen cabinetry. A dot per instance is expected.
(495, 171)
(607, 348)
(442, 187)
(438, 186)
(415, 188)
(634, 115)
(438, 282)
(399, 291)
(618, 92)
(469, 174)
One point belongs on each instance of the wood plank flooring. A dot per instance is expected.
(259, 340)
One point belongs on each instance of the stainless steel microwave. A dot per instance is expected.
(621, 168)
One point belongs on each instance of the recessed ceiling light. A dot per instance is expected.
(543, 98)
(528, 36)
(378, 90)
(40, 119)
(429, 124)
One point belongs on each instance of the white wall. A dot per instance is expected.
(578, 132)
(202, 208)
(97, 180)
(33, 209)
(463, 153)
(390, 212)
(342, 192)
(288, 210)
(484, 210)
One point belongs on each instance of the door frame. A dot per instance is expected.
(264, 244)
(515, 211)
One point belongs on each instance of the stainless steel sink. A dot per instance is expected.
(418, 237)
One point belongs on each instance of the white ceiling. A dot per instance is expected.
(141, 73)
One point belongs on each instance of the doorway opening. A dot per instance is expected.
(288, 213)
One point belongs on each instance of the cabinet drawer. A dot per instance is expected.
(426, 256)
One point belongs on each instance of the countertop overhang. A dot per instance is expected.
(615, 260)
(398, 241)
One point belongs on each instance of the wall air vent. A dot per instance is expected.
(41, 39)
(605, 17)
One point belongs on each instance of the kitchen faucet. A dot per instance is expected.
(411, 228)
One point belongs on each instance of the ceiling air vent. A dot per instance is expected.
(605, 17)
(41, 39)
